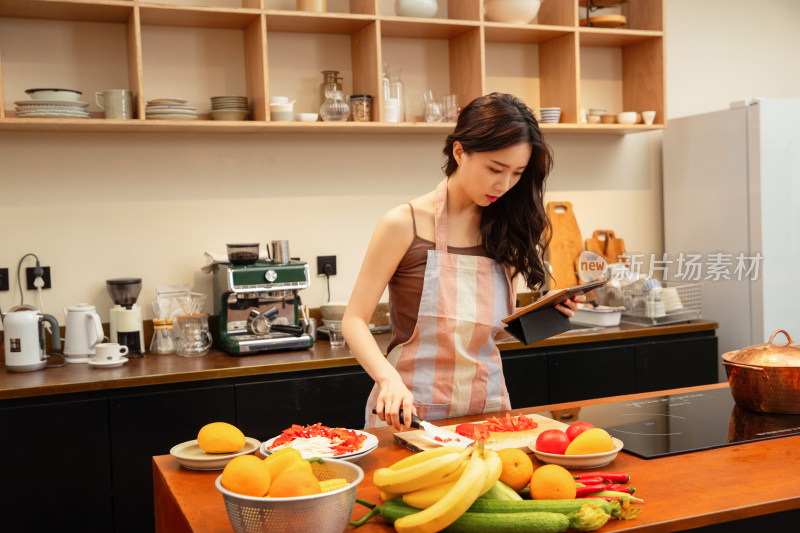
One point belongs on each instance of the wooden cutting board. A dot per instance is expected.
(614, 248)
(597, 243)
(497, 441)
(565, 246)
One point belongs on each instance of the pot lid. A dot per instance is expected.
(768, 354)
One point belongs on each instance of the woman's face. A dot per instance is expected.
(486, 176)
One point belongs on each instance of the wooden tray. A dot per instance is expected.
(606, 21)
(497, 441)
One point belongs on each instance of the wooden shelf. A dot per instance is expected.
(555, 41)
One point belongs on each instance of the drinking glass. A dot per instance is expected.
(450, 107)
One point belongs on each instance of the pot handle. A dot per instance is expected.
(94, 318)
(746, 366)
(55, 337)
(780, 331)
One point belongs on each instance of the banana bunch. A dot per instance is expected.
(443, 482)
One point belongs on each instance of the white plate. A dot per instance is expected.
(108, 364)
(179, 107)
(171, 117)
(167, 101)
(71, 103)
(589, 460)
(366, 447)
(191, 456)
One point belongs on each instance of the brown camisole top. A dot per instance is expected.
(405, 287)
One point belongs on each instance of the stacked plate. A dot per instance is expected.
(229, 108)
(170, 109)
(52, 103)
(550, 115)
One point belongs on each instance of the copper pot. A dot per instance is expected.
(766, 377)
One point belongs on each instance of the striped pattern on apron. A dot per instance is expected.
(451, 363)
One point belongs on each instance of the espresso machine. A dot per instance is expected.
(257, 307)
(125, 318)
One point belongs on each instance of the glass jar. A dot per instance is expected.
(330, 80)
(335, 107)
(361, 105)
(397, 92)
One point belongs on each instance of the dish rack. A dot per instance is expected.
(671, 304)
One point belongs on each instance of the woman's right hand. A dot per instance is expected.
(393, 396)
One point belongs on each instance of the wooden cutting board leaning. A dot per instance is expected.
(614, 248)
(565, 246)
(497, 441)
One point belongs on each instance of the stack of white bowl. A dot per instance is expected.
(169, 109)
(52, 103)
(550, 115)
(229, 108)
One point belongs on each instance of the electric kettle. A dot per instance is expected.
(83, 330)
(24, 340)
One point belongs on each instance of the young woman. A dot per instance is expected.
(449, 258)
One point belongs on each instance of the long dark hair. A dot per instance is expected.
(515, 230)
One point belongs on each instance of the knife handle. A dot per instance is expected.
(416, 422)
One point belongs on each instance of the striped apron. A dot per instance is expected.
(451, 363)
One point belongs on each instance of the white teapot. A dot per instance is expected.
(83, 331)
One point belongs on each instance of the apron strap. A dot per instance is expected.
(440, 216)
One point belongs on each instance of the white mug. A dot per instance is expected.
(109, 351)
(117, 103)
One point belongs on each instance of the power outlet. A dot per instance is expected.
(30, 277)
(326, 265)
(3, 279)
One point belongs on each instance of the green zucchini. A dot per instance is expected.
(546, 506)
(527, 522)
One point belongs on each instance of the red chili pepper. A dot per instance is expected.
(614, 477)
(588, 480)
(589, 489)
(621, 488)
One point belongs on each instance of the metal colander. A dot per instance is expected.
(328, 512)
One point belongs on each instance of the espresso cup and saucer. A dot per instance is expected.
(109, 355)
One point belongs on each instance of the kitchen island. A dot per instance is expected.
(117, 419)
(733, 488)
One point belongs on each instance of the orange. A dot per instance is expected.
(293, 483)
(246, 474)
(278, 460)
(552, 482)
(220, 437)
(517, 468)
(593, 440)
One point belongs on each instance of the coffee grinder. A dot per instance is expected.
(257, 307)
(125, 318)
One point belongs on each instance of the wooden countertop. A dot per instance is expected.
(679, 492)
(160, 369)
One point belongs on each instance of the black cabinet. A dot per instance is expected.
(146, 424)
(671, 364)
(591, 373)
(336, 398)
(526, 379)
(55, 469)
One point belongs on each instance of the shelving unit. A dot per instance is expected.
(550, 55)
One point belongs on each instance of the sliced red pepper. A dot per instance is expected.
(614, 477)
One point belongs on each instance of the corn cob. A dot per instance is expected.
(333, 484)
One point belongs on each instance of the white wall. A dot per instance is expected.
(96, 206)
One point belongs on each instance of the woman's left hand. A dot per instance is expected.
(570, 305)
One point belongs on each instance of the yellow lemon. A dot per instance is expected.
(552, 482)
(220, 437)
(593, 440)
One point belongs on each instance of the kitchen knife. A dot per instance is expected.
(431, 432)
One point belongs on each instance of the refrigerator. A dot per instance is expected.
(731, 192)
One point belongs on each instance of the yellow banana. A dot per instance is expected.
(386, 496)
(452, 505)
(430, 472)
(424, 498)
(495, 467)
(420, 457)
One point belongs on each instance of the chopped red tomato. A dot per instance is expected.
(480, 430)
(342, 440)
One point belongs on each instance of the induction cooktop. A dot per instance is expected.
(682, 423)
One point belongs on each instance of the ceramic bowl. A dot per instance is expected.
(416, 8)
(278, 100)
(648, 117)
(593, 119)
(333, 310)
(627, 117)
(512, 11)
(608, 118)
(54, 94)
(228, 114)
(589, 460)
(306, 117)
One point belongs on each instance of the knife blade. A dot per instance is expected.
(431, 432)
